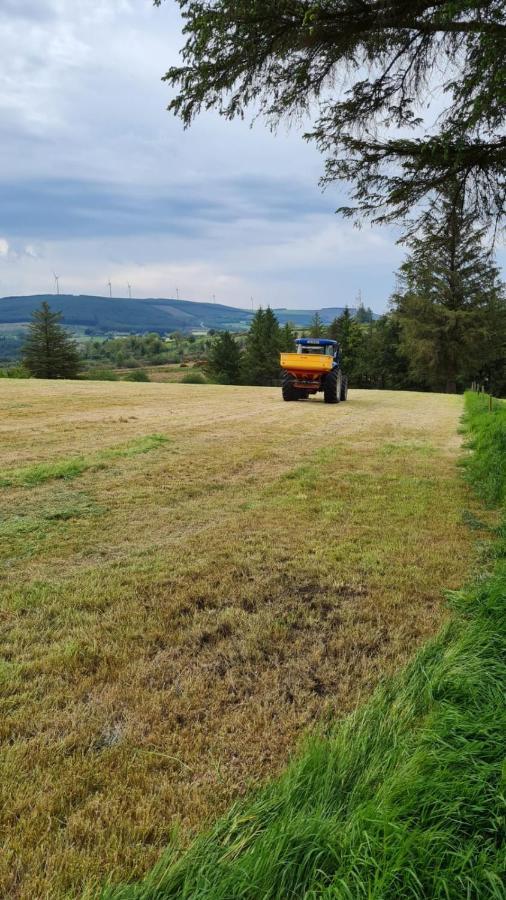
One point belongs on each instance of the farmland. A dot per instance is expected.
(193, 576)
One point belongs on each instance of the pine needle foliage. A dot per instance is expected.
(404, 798)
(260, 361)
(224, 359)
(450, 302)
(369, 70)
(317, 328)
(349, 334)
(49, 352)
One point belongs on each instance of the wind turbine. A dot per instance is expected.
(177, 293)
(130, 291)
(57, 282)
(110, 287)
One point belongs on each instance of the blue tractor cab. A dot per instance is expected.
(318, 345)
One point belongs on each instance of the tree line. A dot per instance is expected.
(446, 325)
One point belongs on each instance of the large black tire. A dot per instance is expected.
(332, 386)
(288, 390)
(344, 388)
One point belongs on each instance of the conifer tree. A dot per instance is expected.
(450, 302)
(364, 315)
(382, 361)
(48, 351)
(317, 328)
(224, 359)
(272, 346)
(260, 363)
(347, 332)
(287, 338)
(252, 370)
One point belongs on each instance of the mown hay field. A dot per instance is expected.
(192, 577)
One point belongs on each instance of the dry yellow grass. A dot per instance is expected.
(173, 620)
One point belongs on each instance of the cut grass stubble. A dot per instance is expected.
(406, 797)
(167, 646)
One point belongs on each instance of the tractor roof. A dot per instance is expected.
(316, 342)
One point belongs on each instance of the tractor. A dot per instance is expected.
(316, 366)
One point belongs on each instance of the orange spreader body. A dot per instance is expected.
(306, 364)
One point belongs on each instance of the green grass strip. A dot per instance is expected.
(486, 466)
(405, 798)
(30, 476)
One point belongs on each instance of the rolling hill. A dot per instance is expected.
(118, 314)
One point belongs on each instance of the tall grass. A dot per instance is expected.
(486, 466)
(405, 798)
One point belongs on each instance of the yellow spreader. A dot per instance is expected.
(315, 367)
(307, 362)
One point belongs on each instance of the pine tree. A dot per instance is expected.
(333, 329)
(382, 362)
(272, 347)
(224, 359)
(450, 302)
(260, 363)
(317, 328)
(364, 315)
(287, 338)
(251, 369)
(348, 333)
(48, 351)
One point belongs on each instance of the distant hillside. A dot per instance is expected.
(104, 314)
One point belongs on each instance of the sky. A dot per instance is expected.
(99, 182)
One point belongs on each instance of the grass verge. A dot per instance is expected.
(406, 797)
(30, 476)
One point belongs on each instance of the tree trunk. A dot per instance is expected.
(451, 385)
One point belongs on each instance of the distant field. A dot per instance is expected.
(162, 374)
(193, 576)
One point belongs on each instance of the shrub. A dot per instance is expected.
(193, 378)
(15, 372)
(137, 375)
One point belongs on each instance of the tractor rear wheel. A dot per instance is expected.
(344, 388)
(332, 386)
(287, 389)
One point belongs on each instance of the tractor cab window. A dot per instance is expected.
(328, 350)
(315, 349)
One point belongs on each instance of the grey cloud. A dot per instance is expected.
(67, 209)
(93, 169)
(34, 10)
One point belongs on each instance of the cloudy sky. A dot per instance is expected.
(99, 182)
